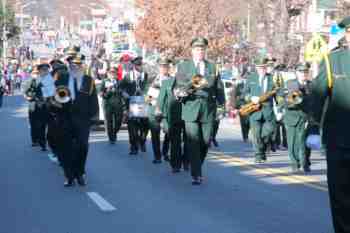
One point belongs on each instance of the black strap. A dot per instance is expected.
(75, 87)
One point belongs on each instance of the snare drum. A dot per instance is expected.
(138, 108)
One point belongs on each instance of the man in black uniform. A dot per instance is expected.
(36, 91)
(133, 88)
(85, 107)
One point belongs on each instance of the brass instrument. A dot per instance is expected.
(198, 82)
(251, 107)
(62, 94)
(294, 98)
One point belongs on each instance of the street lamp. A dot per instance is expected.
(4, 37)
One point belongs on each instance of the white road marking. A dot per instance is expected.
(101, 202)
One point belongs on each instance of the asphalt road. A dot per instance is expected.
(131, 195)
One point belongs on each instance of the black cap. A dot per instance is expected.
(58, 67)
(137, 61)
(43, 66)
(345, 23)
(199, 42)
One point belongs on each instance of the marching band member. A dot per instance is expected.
(295, 120)
(262, 121)
(197, 84)
(84, 109)
(154, 111)
(133, 87)
(112, 104)
(61, 125)
(37, 90)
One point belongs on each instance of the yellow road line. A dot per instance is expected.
(280, 174)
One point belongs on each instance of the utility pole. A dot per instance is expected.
(4, 36)
(248, 22)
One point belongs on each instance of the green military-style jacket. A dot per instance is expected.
(335, 127)
(201, 105)
(168, 104)
(294, 113)
(253, 88)
(239, 94)
(112, 100)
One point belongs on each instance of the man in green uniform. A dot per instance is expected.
(112, 104)
(295, 121)
(172, 122)
(154, 117)
(331, 89)
(262, 122)
(237, 100)
(133, 87)
(197, 83)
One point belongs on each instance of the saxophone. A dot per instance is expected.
(251, 107)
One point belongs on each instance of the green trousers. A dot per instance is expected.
(296, 144)
(198, 138)
(262, 131)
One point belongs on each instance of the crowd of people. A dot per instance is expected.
(279, 107)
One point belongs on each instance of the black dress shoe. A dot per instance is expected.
(157, 161)
(112, 142)
(69, 183)
(166, 158)
(81, 181)
(176, 170)
(133, 152)
(196, 181)
(306, 169)
(186, 167)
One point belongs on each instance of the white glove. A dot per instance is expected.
(314, 142)
(125, 95)
(279, 116)
(255, 99)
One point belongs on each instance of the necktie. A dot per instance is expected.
(75, 87)
(198, 68)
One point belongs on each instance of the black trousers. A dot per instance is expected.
(81, 133)
(138, 130)
(245, 126)
(1, 99)
(65, 154)
(52, 135)
(113, 122)
(280, 138)
(178, 146)
(338, 175)
(166, 144)
(38, 119)
(216, 125)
